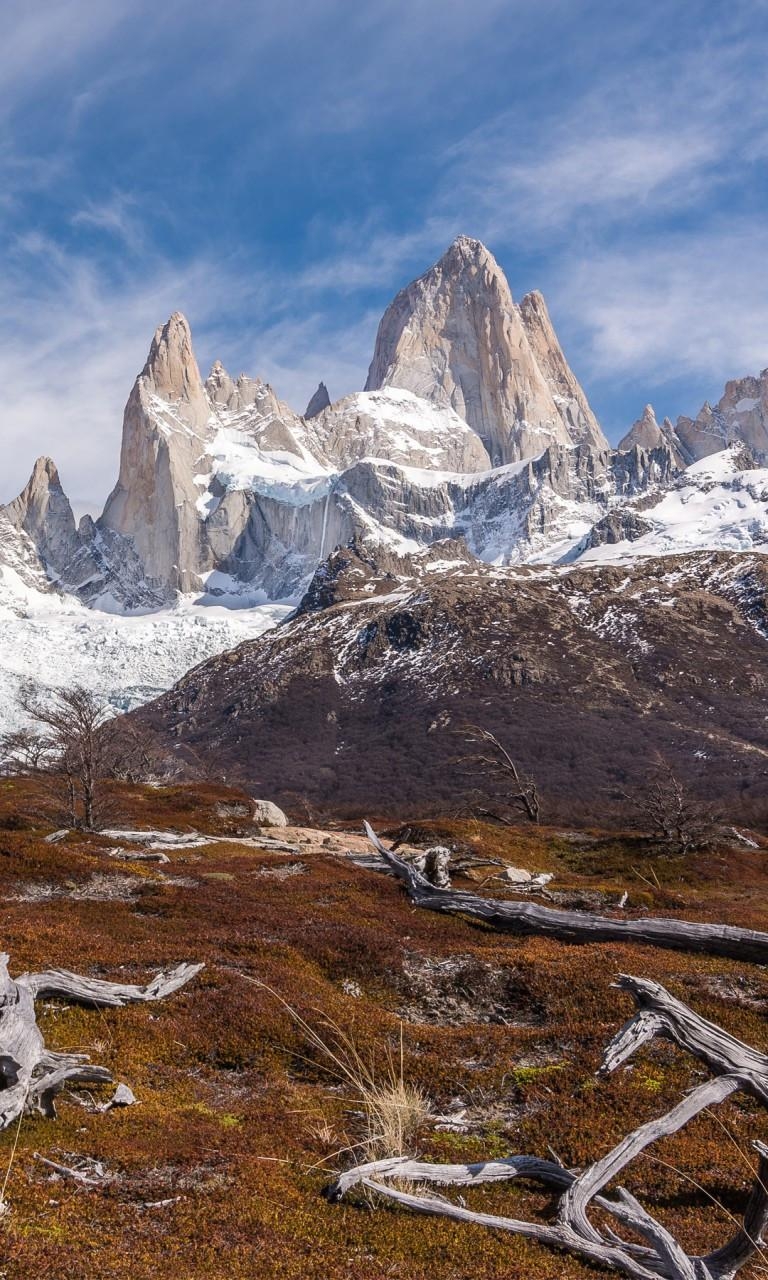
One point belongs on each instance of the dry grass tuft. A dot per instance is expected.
(393, 1109)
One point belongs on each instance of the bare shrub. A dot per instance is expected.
(678, 820)
(501, 791)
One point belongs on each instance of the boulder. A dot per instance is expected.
(267, 814)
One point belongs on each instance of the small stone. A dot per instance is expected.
(518, 875)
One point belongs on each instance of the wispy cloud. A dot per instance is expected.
(71, 342)
(693, 304)
(367, 254)
(117, 216)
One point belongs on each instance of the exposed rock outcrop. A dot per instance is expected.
(618, 526)
(646, 434)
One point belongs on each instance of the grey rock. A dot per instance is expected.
(266, 814)
(319, 401)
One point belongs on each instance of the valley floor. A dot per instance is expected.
(218, 1172)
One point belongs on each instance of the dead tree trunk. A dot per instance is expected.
(30, 1074)
(735, 1066)
(577, 926)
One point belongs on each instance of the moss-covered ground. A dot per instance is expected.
(217, 1173)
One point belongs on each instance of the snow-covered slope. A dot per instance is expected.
(401, 427)
(54, 640)
(717, 504)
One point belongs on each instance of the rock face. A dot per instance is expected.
(584, 673)
(319, 401)
(580, 421)
(739, 417)
(455, 337)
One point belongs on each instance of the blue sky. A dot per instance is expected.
(279, 171)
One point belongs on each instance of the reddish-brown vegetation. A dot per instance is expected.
(237, 1112)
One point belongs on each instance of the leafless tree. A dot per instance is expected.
(130, 753)
(23, 751)
(680, 821)
(503, 791)
(68, 724)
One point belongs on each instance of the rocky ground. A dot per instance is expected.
(218, 1171)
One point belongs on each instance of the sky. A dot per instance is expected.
(278, 172)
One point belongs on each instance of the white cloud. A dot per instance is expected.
(367, 255)
(608, 174)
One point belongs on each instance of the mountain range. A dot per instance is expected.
(472, 450)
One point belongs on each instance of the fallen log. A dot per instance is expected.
(575, 926)
(735, 1067)
(30, 1074)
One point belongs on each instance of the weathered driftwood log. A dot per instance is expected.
(576, 926)
(735, 1066)
(30, 1074)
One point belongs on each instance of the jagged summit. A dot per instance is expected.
(43, 487)
(465, 250)
(319, 401)
(171, 367)
(42, 511)
(645, 432)
(455, 336)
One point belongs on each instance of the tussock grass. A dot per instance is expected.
(393, 1109)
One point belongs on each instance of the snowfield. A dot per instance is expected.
(716, 505)
(128, 659)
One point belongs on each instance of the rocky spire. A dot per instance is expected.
(455, 336)
(645, 432)
(167, 426)
(739, 417)
(171, 371)
(319, 401)
(219, 384)
(42, 511)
